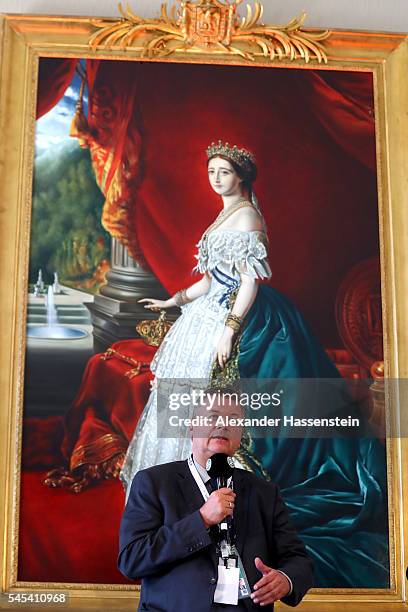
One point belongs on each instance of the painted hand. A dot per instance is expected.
(155, 305)
(224, 347)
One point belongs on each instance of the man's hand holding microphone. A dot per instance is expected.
(219, 505)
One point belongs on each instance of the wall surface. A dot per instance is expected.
(391, 16)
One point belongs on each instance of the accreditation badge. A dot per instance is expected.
(226, 585)
(226, 591)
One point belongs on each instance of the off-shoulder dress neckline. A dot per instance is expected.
(231, 229)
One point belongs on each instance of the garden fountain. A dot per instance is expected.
(53, 331)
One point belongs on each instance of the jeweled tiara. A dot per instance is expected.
(245, 159)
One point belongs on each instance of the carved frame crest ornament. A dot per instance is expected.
(212, 25)
(199, 33)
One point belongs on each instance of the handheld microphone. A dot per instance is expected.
(220, 466)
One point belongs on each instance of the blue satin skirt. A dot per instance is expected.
(335, 488)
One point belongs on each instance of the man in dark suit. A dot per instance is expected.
(167, 531)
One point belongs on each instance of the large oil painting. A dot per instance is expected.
(121, 197)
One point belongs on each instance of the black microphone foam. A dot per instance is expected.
(220, 466)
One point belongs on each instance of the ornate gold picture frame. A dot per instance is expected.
(199, 34)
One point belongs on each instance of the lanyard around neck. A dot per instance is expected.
(197, 478)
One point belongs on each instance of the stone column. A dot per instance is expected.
(115, 310)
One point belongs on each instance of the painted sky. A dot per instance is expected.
(52, 129)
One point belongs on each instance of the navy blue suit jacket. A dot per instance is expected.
(163, 539)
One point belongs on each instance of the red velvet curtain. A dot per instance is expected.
(343, 102)
(54, 77)
(112, 99)
(114, 141)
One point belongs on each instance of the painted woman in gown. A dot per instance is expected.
(334, 487)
